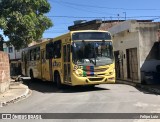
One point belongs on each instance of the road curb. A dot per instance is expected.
(125, 82)
(18, 98)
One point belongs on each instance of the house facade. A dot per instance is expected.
(14, 59)
(15, 56)
(137, 49)
(13, 53)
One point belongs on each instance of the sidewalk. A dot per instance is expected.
(16, 92)
(150, 88)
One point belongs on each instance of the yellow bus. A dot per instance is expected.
(77, 58)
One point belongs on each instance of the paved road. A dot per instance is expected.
(107, 98)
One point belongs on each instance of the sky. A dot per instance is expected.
(64, 12)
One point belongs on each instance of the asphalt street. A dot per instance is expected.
(106, 98)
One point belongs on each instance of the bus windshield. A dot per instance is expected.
(91, 36)
(92, 53)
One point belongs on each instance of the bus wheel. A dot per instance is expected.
(58, 81)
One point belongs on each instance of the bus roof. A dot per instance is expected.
(58, 37)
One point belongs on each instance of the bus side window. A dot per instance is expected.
(43, 56)
(49, 50)
(68, 52)
(22, 56)
(31, 55)
(57, 49)
(28, 55)
(64, 53)
(37, 53)
(34, 53)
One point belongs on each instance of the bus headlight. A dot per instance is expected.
(111, 72)
(78, 72)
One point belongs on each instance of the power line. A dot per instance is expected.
(81, 9)
(102, 7)
(73, 17)
(70, 17)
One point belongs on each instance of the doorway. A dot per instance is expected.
(132, 64)
(119, 64)
(66, 63)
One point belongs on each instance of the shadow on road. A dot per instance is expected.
(49, 87)
(146, 91)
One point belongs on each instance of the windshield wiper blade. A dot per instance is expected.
(91, 61)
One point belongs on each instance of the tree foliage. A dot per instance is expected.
(24, 21)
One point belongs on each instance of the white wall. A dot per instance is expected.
(148, 36)
(125, 41)
(140, 35)
(126, 36)
(14, 54)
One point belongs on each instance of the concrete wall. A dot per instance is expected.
(106, 26)
(126, 36)
(148, 51)
(123, 41)
(95, 25)
(140, 35)
(4, 72)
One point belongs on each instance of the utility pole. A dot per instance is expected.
(125, 15)
(118, 17)
(104, 19)
(111, 18)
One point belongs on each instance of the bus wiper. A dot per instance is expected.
(91, 61)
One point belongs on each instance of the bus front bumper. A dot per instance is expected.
(76, 80)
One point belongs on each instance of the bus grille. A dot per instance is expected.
(100, 70)
(95, 79)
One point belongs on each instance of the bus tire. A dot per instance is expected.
(57, 79)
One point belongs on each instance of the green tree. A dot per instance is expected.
(24, 21)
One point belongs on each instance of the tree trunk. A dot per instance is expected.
(1, 42)
(1, 45)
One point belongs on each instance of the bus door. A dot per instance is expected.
(66, 63)
(25, 63)
(49, 56)
(42, 64)
(50, 69)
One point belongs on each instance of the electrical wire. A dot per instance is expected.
(102, 7)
